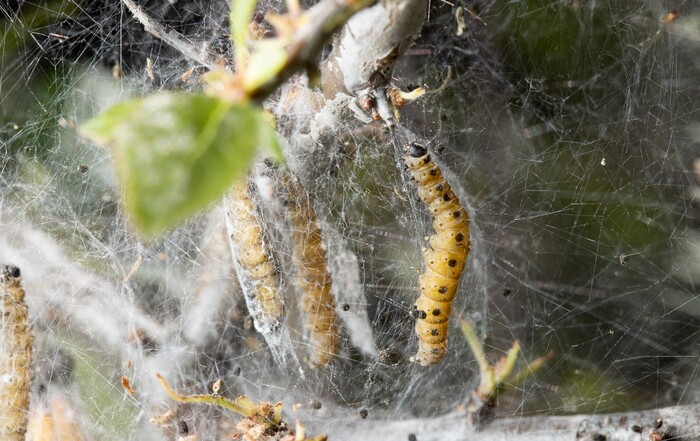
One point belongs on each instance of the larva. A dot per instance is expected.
(54, 421)
(444, 257)
(15, 356)
(255, 266)
(313, 277)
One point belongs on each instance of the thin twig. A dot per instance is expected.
(171, 37)
(322, 21)
(242, 405)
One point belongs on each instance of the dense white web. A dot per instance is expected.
(569, 130)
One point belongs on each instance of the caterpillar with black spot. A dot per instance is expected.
(313, 278)
(254, 262)
(15, 356)
(444, 258)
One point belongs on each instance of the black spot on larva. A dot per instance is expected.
(433, 172)
(422, 315)
(452, 263)
(440, 187)
(412, 437)
(316, 404)
(457, 214)
(182, 428)
(442, 289)
(447, 198)
(11, 271)
(436, 311)
(363, 413)
(459, 237)
(434, 332)
(435, 351)
(636, 429)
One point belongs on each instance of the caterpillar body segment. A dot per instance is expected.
(54, 420)
(254, 263)
(444, 257)
(15, 356)
(312, 278)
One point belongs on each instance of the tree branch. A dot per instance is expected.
(321, 21)
(682, 423)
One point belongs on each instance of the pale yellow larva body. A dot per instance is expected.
(312, 278)
(444, 257)
(255, 265)
(15, 356)
(54, 421)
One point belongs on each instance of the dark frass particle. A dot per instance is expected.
(237, 371)
(363, 413)
(316, 404)
(658, 423)
(346, 307)
(636, 429)
(412, 437)
(599, 437)
(182, 428)
(82, 168)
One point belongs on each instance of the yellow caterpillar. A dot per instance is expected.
(54, 421)
(444, 258)
(313, 278)
(15, 356)
(253, 260)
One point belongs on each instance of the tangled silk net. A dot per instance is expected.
(568, 131)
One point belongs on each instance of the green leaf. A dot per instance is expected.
(176, 153)
(241, 14)
(263, 66)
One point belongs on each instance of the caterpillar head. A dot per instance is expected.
(10, 271)
(416, 150)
